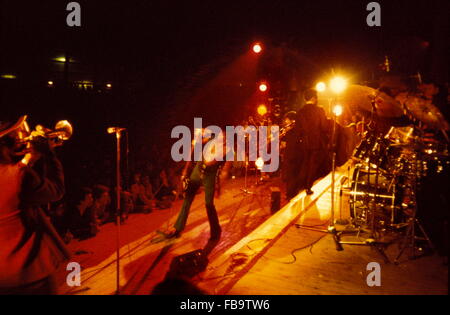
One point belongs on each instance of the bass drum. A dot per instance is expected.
(363, 193)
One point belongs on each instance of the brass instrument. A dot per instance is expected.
(63, 131)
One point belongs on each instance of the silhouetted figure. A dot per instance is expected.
(82, 217)
(204, 173)
(29, 255)
(142, 197)
(307, 147)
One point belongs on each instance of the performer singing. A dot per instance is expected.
(203, 173)
(28, 256)
(307, 147)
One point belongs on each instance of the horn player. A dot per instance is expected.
(29, 252)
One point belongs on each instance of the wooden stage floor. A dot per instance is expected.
(259, 253)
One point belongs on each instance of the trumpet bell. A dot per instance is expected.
(63, 130)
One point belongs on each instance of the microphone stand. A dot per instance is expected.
(117, 132)
(332, 227)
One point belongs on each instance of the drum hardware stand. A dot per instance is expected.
(372, 240)
(331, 227)
(410, 237)
(379, 246)
(376, 194)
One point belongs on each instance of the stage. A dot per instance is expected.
(258, 253)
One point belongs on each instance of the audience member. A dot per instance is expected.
(82, 217)
(141, 202)
(102, 201)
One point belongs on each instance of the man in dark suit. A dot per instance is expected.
(307, 146)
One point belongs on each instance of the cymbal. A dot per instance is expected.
(400, 135)
(360, 97)
(424, 111)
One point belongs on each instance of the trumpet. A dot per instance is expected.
(25, 138)
(63, 131)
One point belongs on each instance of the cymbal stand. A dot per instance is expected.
(411, 237)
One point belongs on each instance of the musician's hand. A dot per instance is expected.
(41, 145)
(55, 142)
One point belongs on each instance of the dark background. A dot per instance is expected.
(157, 54)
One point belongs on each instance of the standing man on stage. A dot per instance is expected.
(28, 255)
(307, 147)
(204, 173)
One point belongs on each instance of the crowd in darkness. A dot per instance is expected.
(85, 209)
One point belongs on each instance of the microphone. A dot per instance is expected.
(115, 129)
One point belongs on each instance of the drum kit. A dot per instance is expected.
(388, 171)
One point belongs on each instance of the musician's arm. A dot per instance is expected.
(45, 184)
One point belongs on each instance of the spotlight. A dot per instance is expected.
(60, 59)
(338, 110)
(50, 83)
(321, 87)
(262, 109)
(259, 163)
(257, 48)
(263, 87)
(8, 76)
(108, 85)
(338, 84)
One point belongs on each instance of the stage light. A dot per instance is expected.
(109, 85)
(262, 109)
(60, 59)
(338, 110)
(321, 87)
(257, 48)
(259, 163)
(263, 87)
(50, 83)
(338, 84)
(8, 76)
